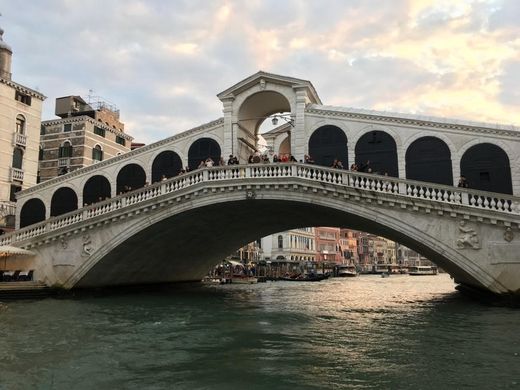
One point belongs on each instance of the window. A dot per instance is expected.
(65, 150)
(97, 153)
(17, 158)
(14, 190)
(42, 130)
(280, 242)
(22, 98)
(99, 131)
(67, 127)
(40, 154)
(20, 124)
(120, 140)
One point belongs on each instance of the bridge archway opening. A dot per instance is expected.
(96, 189)
(33, 211)
(328, 143)
(169, 250)
(167, 164)
(429, 159)
(257, 115)
(379, 149)
(130, 177)
(486, 167)
(64, 200)
(201, 149)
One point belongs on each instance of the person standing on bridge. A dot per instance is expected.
(463, 183)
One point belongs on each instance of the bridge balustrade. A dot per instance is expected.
(362, 181)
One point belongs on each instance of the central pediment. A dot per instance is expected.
(263, 78)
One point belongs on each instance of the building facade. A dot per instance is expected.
(293, 245)
(20, 117)
(86, 133)
(327, 245)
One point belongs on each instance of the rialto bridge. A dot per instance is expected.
(134, 219)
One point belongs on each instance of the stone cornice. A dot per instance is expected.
(414, 120)
(133, 153)
(86, 118)
(23, 89)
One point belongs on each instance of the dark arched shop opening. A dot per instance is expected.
(33, 211)
(378, 148)
(167, 163)
(130, 177)
(201, 149)
(486, 167)
(64, 200)
(96, 188)
(429, 159)
(328, 143)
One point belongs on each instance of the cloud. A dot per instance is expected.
(163, 63)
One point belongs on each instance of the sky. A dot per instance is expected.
(163, 62)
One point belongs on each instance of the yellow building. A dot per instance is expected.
(20, 118)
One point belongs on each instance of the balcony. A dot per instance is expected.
(16, 174)
(63, 162)
(20, 139)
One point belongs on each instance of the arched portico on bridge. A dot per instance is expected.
(33, 211)
(63, 201)
(429, 159)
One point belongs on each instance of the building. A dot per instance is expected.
(87, 132)
(348, 242)
(20, 118)
(293, 245)
(327, 245)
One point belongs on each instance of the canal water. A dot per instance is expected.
(401, 332)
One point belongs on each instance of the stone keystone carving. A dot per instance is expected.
(87, 247)
(468, 237)
(64, 243)
(250, 195)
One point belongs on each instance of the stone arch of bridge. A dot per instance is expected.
(32, 211)
(130, 177)
(328, 143)
(96, 188)
(166, 164)
(202, 148)
(181, 242)
(429, 159)
(380, 149)
(63, 200)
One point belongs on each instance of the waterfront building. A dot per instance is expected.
(348, 240)
(327, 245)
(84, 134)
(293, 245)
(20, 117)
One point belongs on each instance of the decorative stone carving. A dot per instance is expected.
(509, 235)
(87, 246)
(262, 84)
(250, 195)
(63, 242)
(468, 237)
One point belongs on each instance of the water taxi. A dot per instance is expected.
(346, 271)
(422, 270)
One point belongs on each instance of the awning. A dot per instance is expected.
(8, 250)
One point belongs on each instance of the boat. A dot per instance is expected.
(305, 278)
(422, 270)
(346, 271)
(385, 274)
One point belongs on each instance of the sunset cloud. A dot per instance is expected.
(163, 63)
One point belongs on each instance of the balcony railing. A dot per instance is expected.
(16, 174)
(20, 139)
(64, 162)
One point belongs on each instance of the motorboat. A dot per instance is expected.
(422, 270)
(346, 271)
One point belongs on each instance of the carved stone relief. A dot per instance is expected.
(468, 237)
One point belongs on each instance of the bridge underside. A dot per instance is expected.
(183, 247)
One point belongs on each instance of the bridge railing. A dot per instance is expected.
(313, 173)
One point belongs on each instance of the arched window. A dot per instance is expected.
(486, 167)
(97, 153)
(167, 164)
(64, 200)
(327, 144)
(429, 159)
(65, 150)
(379, 150)
(17, 158)
(280, 242)
(20, 124)
(40, 153)
(33, 211)
(201, 149)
